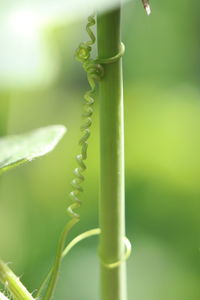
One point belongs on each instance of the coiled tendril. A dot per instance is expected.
(94, 73)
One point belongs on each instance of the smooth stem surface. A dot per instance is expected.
(111, 207)
(12, 283)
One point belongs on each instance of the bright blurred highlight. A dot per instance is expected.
(25, 23)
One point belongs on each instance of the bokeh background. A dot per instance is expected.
(42, 84)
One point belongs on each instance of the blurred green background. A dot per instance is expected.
(41, 84)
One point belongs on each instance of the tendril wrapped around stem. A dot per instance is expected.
(95, 72)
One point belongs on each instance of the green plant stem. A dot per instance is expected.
(56, 267)
(12, 283)
(111, 207)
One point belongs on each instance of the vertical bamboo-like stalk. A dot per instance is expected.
(111, 206)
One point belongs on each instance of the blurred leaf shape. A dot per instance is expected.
(19, 149)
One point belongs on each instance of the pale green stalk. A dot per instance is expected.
(111, 206)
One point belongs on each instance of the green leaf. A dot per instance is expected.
(18, 149)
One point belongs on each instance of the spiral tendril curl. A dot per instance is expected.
(94, 73)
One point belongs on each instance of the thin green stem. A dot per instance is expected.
(75, 241)
(12, 283)
(111, 206)
(83, 55)
(54, 274)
